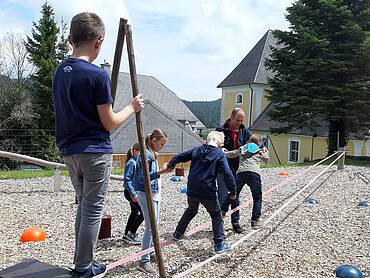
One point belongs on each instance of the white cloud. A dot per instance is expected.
(190, 46)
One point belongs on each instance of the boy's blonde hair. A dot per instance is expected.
(255, 138)
(86, 27)
(216, 136)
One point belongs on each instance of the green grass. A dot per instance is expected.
(117, 171)
(25, 174)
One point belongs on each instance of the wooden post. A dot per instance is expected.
(140, 134)
(273, 147)
(312, 144)
(340, 165)
(117, 57)
(57, 180)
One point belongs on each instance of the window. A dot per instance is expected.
(239, 99)
(293, 151)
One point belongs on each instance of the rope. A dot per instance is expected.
(201, 227)
(197, 266)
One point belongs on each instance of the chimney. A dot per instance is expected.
(106, 66)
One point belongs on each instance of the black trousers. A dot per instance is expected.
(214, 210)
(136, 216)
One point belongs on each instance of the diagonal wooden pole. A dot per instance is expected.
(140, 134)
(117, 57)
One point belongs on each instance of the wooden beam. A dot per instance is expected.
(117, 57)
(140, 134)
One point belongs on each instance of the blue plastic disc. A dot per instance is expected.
(175, 179)
(364, 204)
(252, 148)
(183, 189)
(312, 201)
(348, 271)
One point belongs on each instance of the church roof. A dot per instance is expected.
(252, 68)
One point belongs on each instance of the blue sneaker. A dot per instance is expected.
(95, 271)
(177, 236)
(222, 247)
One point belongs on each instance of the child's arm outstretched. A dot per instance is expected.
(180, 157)
(241, 151)
(231, 154)
(155, 174)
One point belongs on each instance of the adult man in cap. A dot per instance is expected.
(236, 135)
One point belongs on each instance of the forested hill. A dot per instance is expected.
(208, 112)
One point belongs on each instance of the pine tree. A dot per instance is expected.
(322, 67)
(62, 45)
(42, 48)
(45, 52)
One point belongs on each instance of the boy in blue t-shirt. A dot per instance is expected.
(84, 119)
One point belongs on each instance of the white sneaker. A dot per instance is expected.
(131, 238)
(146, 267)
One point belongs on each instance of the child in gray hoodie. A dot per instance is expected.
(248, 173)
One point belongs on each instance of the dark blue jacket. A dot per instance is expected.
(129, 176)
(138, 182)
(243, 137)
(206, 163)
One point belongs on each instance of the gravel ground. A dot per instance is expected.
(303, 241)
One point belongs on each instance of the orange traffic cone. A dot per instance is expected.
(283, 173)
(32, 234)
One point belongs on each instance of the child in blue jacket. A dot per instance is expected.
(206, 162)
(154, 142)
(136, 216)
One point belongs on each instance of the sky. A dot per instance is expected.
(189, 45)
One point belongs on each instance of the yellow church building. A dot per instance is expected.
(246, 86)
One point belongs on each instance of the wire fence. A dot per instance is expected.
(32, 142)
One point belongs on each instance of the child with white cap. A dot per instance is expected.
(207, 161)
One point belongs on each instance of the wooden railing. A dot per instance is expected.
(118, 159)
(47, 164)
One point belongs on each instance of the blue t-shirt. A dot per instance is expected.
(78, 87)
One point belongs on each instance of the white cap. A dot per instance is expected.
(216, 136)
